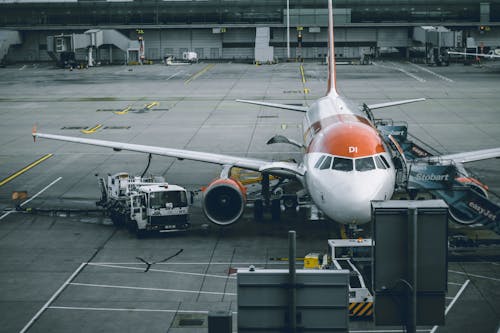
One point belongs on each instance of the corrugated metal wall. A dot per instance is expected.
(235, 43)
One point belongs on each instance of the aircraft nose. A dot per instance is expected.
(351, 198)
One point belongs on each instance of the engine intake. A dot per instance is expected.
(224, 201)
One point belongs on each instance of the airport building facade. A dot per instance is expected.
(237, 30)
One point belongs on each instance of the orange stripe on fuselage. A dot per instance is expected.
(345, 135)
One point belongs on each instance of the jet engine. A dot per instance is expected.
(224, 200)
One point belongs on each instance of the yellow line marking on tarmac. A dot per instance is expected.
(91, 130)
(305, 90)
(196, 75)
(150, 105)
(26, 168)
(124, 111)
(302, 73)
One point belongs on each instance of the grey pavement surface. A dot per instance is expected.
(40, 252)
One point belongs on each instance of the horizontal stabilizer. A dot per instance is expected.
(275, 105)
(388, 104)
(283, 139)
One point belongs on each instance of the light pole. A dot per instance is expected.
(288, 29)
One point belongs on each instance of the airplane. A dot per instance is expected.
(347, 161)
(491, 55)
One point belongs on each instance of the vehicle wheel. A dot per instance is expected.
(258, 210)
(116, 219)
(139, 233)
(276, 209)
(290, 202)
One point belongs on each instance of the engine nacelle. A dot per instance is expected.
(224, 201)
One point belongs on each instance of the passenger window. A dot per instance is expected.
(342, 164)
(326, 163)
(385, 161)
(319, 162)
(365, 164)
(379, 163)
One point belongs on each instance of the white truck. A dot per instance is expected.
(144, 204)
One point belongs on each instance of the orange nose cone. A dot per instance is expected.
(349, 139)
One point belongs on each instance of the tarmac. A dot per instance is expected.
(69, 269)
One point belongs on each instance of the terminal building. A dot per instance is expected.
(121, 31)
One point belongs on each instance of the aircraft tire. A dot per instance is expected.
(258, 210)
(117, 219)
(276, 209)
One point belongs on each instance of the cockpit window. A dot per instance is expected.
(379, 163)
(365, 164)
(342, 164)
(319, 161)
(385, 161)
(326, 163)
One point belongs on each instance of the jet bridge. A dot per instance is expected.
(8, 38)
(70, 49)
(423, 178)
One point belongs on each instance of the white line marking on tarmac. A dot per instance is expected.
(475, 275)
(433, 73)
(56, 294)
(173, 75)
(7, 214)
(165, 271)
(151, 289)
(125, 310)
(43, 190)
(393, 66)
(455, 284)
(130, 310)
(383, 331)
(448, 308)
(196, 263)
(33, 197)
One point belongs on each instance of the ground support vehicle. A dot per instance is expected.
(144, 203)
(355, 256)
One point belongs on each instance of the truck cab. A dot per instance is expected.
(160, 208)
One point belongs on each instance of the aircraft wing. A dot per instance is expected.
(394, 103)
(276, 105)
(486, 55)
(470, 156)
(286, 168)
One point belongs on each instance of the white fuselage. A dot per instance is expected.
(348, 165)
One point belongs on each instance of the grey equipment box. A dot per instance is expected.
(322, 300)
(394, 237)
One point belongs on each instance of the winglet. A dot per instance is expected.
(33, 132)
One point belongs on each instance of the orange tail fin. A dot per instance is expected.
(332, 82)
